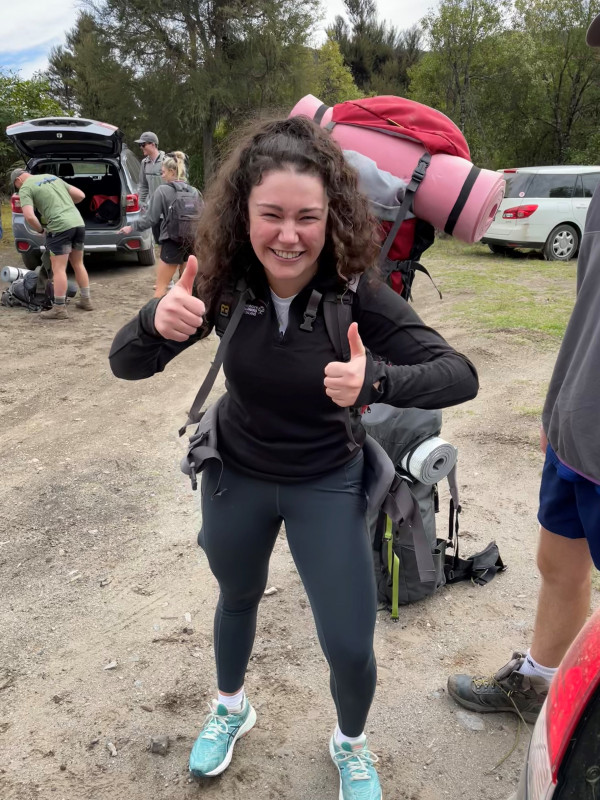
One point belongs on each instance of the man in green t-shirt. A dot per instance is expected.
(65, 232)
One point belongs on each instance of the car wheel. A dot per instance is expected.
(562, 243)
(499, 249)
(31, 259)
(146, 257)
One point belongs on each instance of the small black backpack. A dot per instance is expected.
(183, 214)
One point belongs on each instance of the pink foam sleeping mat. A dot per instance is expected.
(443, 180)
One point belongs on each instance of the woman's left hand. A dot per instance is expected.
(344, 379)
(126, 229)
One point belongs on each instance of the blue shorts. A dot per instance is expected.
(570, 504)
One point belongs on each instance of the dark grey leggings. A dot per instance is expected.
(327, 535)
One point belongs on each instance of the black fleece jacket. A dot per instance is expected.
(277, 423)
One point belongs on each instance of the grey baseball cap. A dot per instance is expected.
(16, 173)
(147, 136)
(593, 34)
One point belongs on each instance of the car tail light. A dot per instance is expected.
(15, 204)
(519, 212)
(23, 247)
(133, 244)
(132, 203)
(510, 170)
(573, 685)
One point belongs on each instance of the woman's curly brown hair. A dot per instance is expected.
(223, 244)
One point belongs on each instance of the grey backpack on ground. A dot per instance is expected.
(398, 545)
(399, 431)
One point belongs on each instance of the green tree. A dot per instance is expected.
(379, 56)
(210, 63)
(565, 82)
(87, 78)
(462, 34)
(333, 79)
(20, 100)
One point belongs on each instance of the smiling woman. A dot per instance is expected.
(285, 219)
(288, 216)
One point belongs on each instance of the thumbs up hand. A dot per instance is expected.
(345, 379)
(179, 314)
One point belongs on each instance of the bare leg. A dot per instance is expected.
(81, 276)
(59, 274)
(164, 275)
(564, 599)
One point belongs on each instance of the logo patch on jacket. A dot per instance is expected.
(254, 310)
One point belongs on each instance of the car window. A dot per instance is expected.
(82, 168)
(586, 184)
(132, 165)
(552, 186)
(516, 183)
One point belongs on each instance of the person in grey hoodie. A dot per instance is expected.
(150, 172)
(569, 509)
(173, 255)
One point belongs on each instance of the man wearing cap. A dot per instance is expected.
(150, 174)
(569, 508)
(65, 232)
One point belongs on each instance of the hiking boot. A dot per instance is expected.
(56, 312)
(212, 751)
(358, 777)
(507, 690)
(85, 304)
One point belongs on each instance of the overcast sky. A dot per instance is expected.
(27, 33)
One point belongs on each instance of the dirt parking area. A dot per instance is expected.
(106, 612)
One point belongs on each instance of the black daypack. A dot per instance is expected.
(183, 214)
(108, 211)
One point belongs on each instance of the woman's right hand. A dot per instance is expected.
(179, 314)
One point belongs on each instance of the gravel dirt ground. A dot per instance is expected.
(107, 602)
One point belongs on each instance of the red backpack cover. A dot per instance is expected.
(428, 127)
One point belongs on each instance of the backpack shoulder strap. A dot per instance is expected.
(415, 182)
(195, 414)
(337, 310)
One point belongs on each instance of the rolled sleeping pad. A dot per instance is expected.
(430, 461)
(454, 196)
(11, 274)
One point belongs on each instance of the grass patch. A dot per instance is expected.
(7, 224)
(496, 293)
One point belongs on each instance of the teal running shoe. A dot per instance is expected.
(358, 777)
(213, 749)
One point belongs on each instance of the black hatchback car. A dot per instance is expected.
(93, 157)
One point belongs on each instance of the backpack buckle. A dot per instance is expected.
(421, 168)
(310, 312)
(309, 318)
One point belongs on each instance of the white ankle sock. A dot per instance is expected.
(531, 667)
(232, 702)
(339, 737)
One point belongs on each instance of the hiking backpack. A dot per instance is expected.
(183, 214)
(34, 291)
(404, 237)
(22, 294)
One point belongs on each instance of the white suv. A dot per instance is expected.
(544, 208)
